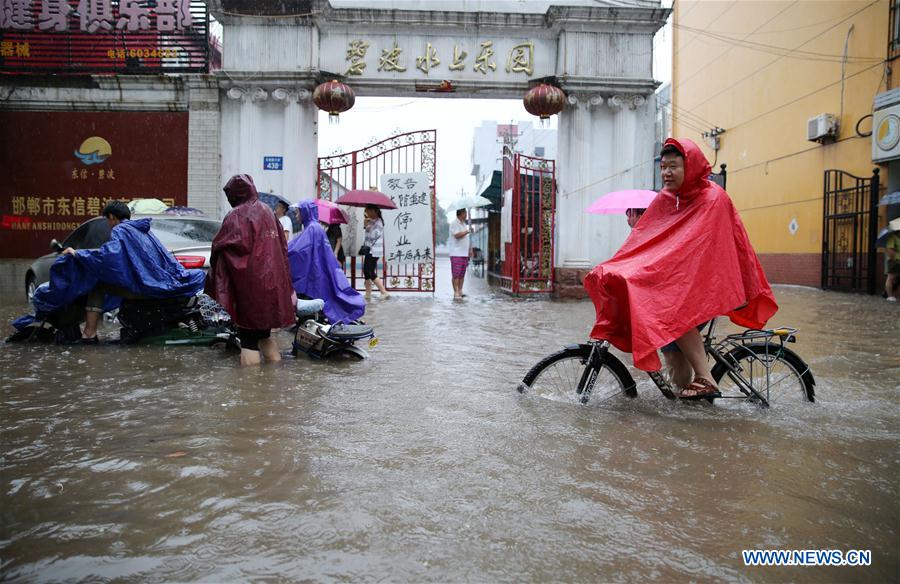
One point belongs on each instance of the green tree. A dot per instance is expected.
(441, 225)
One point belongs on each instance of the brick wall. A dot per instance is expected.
(803, 269)
(204, 180)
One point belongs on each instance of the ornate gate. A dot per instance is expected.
(528, 255)
(849, 228)
(362, 169)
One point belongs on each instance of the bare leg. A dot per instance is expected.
(462, 281)
(91, 322)
(269, 349)
(681, 371)
(368, 289)
(889, 285)
(691, 344)
(457, 293)
(380, 285)
(249, 357)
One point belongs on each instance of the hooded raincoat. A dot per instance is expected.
(249, 274)
(688, 260)
(315, 271)
(132, 259)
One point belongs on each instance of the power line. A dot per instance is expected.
(687, 114)
(723, 53)
(802, 97)
(777, 50)
(677, 49)
(733, 85)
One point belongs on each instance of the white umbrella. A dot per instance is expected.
(469, 203)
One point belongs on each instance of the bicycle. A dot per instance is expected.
(754, 365)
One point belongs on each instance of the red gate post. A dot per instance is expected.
(533, 224)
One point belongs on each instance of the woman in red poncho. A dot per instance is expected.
(688, 260)
(249, 274)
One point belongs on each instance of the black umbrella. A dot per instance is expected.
(271, 199)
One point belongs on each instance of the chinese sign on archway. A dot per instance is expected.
(408, 231)
(62, 169)
(103, 36)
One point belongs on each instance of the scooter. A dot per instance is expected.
(190, 320)
(182, 320)
(194, 320)
(319, 339)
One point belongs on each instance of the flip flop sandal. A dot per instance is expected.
(700, 389)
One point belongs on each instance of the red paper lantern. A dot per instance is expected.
(544, 100)
(333, 97)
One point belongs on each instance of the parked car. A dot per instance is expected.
(189, 238)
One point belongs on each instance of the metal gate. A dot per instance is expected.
(849, 229)
(362, 169)
(528, 264)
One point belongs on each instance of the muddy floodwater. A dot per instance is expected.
(423, 463)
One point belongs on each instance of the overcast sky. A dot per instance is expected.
(375, 118)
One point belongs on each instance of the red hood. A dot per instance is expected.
(240, 189)
(696, 168)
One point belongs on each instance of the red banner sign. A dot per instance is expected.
(62, 168)
(103, 36)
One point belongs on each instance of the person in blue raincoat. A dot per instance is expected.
(132, 264)
(316, 273)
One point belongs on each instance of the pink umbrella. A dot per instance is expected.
(360, 198)
(330, 213)
(618, 201)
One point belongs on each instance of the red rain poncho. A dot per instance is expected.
(688, 260)
(249, 274)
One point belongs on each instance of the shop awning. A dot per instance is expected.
(493, 192)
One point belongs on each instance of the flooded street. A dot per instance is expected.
(424, 464)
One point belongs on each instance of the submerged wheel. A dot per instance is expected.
(353, 352)
(557, 376)
(30, 287)
(789, 377)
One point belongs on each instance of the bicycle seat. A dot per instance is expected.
(309, 307)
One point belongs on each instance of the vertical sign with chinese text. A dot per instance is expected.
(408, 231)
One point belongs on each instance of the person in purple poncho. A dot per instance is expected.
(315, 271)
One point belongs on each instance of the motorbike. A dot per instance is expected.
(190, 320)
(180, 320)
(319, 339)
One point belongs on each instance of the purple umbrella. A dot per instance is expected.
(361, 198)
(620, 201)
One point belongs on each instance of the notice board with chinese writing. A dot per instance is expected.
(62, 167)
(409, 230)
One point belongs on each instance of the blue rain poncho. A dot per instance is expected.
(315, 271)
(133, 259)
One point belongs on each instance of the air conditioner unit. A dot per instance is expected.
(822, 128)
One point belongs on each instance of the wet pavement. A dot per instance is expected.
(424, 464)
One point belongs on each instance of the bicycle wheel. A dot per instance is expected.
(775, 372)
(556, 376)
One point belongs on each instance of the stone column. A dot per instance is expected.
(299, 143)
(583, 159)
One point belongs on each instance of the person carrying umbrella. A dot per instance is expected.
(459, 248)
(281, 209)
(371, 250)
(249, 274)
